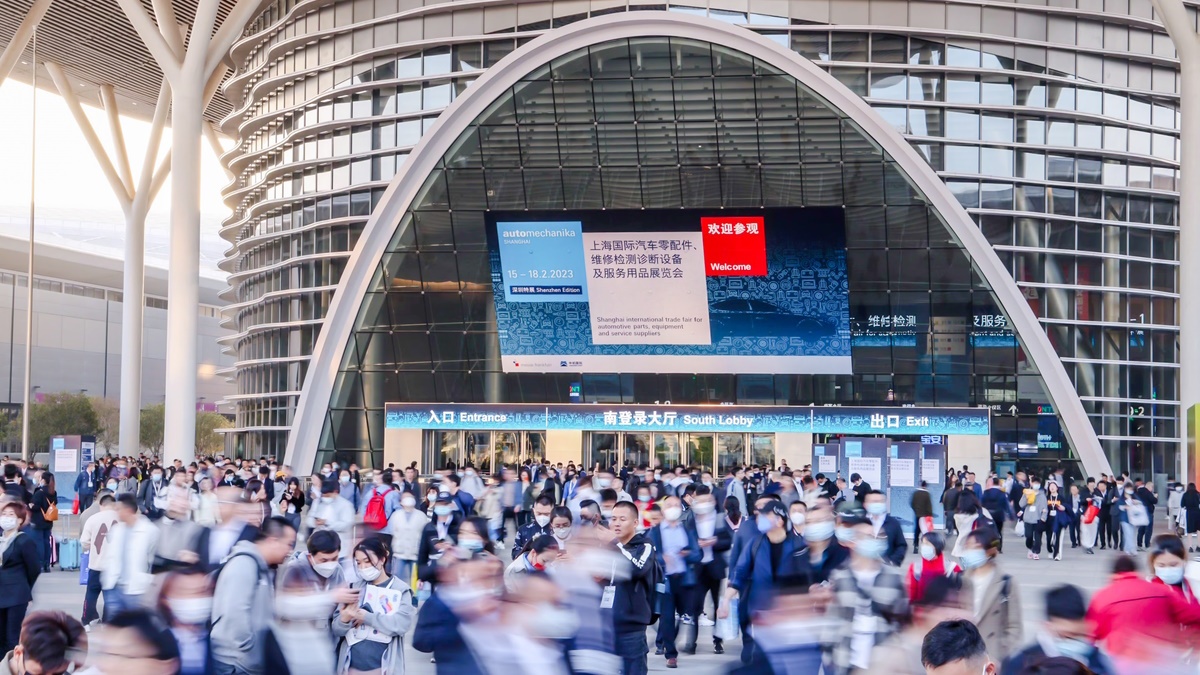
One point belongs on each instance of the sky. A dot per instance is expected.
(69, 177)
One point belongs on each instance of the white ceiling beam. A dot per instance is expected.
(12, 52)
(108, 98)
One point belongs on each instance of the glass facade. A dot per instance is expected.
(668, 124)
(1062, 143)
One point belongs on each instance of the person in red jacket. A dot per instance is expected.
(1140, 622)
(931, 565)
(1168, 560)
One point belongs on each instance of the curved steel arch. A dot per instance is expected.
(405, 188)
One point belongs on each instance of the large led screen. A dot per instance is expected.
(678, 291)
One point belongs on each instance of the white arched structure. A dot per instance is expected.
(405, 189)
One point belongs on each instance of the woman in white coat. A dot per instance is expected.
(370, 640)
(406, 525)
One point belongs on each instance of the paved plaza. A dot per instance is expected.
(61, 590)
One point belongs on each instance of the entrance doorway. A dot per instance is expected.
(715, 452)
(488, 451)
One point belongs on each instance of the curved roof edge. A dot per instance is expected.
(404, 189)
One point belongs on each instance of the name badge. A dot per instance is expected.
(610, 595)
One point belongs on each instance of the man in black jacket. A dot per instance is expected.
(715, 539)
(542, 508)
(885, 527)
(630, 600)
(1104, 531)
(1147, 497)
(861, 488)
(922, 506)
(997, 505)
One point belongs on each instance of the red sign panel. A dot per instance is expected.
(734, 246)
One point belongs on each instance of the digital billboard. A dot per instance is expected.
(684, 291)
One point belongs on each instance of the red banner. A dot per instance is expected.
(734, 246)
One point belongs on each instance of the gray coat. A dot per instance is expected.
(395, 625)
(1037, 511)
(999, 616)
(243, 607)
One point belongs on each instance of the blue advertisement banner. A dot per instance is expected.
(683, 291)
(663, 418)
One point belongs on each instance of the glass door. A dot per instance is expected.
(666, 450)
(700, 451)
(478, 445)
(604, 450)
(762, 449)
(535, 445)
(731, 452)
(443, 450)
(637, 450)
(508, 449)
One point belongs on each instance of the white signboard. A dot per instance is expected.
(64, 460)
(670, 308)
(870, 468)
(903, 472)
(931, 471)
(827, 464)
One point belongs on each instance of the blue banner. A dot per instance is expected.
(666, 418)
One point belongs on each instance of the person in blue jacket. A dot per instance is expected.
(462, 598)
(776, 556)
(886, 527)
(677, 547)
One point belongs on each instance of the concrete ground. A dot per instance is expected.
(61, 590)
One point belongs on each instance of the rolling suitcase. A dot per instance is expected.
(70, 553)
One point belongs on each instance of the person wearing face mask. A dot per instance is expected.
(1033, 512)
(152, 495)
(931, 565)
(128, 556)
(867, 597)
(1066, 633)
(348, 491)
(1131, 514)
(995, 600)
(439, 536)
(472, 483)
(1168, 560)
(715, 540)
(185, 605)
(334, 513)
(1139, 622)
(560, 527)
(773, 557)
(797, 516)
(20, 565)
(244, 602)
(372, 635)
(885, 528)
(677, 547)
(407, 524)
(543, 506)
(539, 554)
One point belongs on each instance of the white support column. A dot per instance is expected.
(108, 97)
(194, 72)
(1182, 29)
(20, 40)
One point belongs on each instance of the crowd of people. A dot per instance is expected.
(239, 567)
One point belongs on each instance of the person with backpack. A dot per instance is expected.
(244, 602)
(43, 515)
(995, 602)
(628, 594)
(377, 508)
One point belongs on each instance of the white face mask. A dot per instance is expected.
(326, 569)
(562, 532)
(191, 611)
(408, 502)
(368, 574)
(672, 513)
(928, 552)
(305, 607)
(8, 523)
(541, 521)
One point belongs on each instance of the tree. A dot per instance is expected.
(109, 414)
(58, 415)
(151, 427)
(208, 441)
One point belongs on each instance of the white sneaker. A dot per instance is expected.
(705, 621)
(685, 619)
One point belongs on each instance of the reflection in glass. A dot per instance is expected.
(478, 450)
(508, 449)
(603, 450)
(700, 451)
(762, 449)
(666, 450)
(731, 452)
(637, 450)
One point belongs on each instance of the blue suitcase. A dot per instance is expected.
(70, 553)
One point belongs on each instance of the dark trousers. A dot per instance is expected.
(43, 542)
(1114, 528)
(91, 597)
(998, 519)
(1104, 533)
(1073, 530)
(631, 648)
(710, 583)
(747, 640)
(10, 626)
(678, 598)
(916, 535)
(1146, 532)
(508, 514)
(1033, 537)
(1052, 530)
(85, 502)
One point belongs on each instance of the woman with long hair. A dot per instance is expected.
(372, 560)
(1056, 520)
(1189, 511)
(19, 569)
(43, 516)
(291, 503)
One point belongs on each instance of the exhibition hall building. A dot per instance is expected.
(706, 233)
